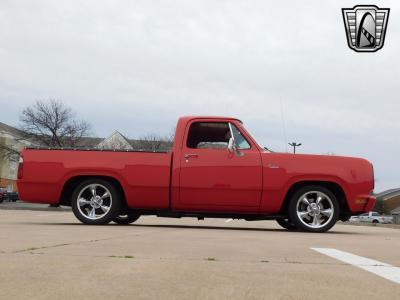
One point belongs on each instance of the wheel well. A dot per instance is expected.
(335, 188)
(73, 182)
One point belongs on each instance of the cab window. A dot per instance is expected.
(214, 135)
(209, 135)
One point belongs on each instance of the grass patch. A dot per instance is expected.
(37, 248)
(121, 256)
(210, 259)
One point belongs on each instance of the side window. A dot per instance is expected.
(240, 141)
(208, 135)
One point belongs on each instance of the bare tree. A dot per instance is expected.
(9, 153)
(52, 124)
(154, 142)
(150, 142)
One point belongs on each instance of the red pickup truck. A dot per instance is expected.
(215, 170)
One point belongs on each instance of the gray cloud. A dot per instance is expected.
(136, 66)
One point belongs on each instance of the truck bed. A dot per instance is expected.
(144, 176)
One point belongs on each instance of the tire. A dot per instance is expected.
(96, 202)
(375, 221)
(314, 208)
(126, 219)
(286, 224)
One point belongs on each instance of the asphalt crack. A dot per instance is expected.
(34, 248)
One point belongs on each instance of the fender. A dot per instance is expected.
(325, 178)
(273, 197)
(91, 173)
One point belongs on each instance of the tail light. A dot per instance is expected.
(21, 168)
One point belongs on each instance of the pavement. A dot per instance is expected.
(50, 255)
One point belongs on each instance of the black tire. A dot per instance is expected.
(126, 219)
(114, 202)
(375, 221)
(286, 224)
(329, 202)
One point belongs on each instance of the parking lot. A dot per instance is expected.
(50, 255)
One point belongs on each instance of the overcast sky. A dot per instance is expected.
(283, 67)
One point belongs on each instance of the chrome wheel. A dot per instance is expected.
(94, 201)
(315, 209)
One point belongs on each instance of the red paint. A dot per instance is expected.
(209, 180)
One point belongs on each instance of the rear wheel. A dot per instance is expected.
(126, 219)
(96, 202)
(314, 209)
(286, 223)
(375, 221)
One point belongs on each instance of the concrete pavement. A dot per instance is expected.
(50, 255)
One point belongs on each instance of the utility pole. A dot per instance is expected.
(294, 145)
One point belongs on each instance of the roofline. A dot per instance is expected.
(388, 194)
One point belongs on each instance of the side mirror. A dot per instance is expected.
(233, 148)
(231, 145)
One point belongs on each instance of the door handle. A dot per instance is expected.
(191, 156)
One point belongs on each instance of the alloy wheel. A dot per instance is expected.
(94, 201)
(315, 209)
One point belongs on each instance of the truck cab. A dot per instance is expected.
(218, 165)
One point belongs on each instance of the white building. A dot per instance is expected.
(115, 141)
(11, 139)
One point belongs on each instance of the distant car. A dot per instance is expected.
(354, 219)
(3, 194)
(12, 196)
(374, 217)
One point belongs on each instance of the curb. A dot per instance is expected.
(393, 226)
(34, 208)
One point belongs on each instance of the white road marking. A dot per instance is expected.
(378, 268)
(229, 220)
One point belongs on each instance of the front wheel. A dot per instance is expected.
(126, 219)
(96, 202)
(314, 209)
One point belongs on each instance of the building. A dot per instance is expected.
(118, 141)
(114, 142)
(396, 215)
(388, 202)
(11, 142)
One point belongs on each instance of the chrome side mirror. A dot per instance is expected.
(231, 145)
(233, 148)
